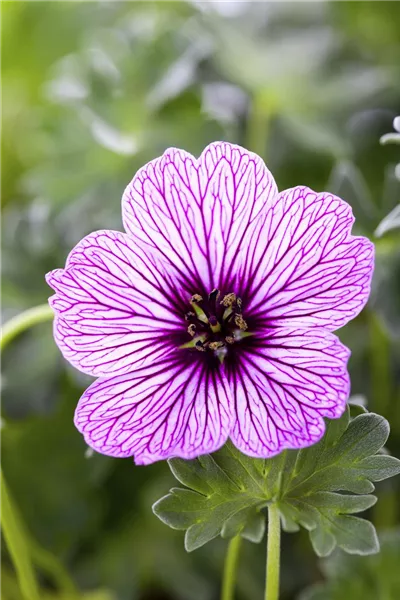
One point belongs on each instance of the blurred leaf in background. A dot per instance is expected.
(361, 578)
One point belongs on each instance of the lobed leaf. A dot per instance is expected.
(319, 488)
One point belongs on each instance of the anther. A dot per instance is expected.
(196, 298)
(215, 345)
(229, 299)
(192, 330)
(240, 322)
(199, 346)
(189, 316)
(229, 339)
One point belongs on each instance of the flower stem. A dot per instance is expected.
(15, 538)
(231, 560)
(23, 321)
(273, 553)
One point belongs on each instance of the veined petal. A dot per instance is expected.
(285, 384)
(305, 268)
(114, 313)
(175, 410)
(197, 213)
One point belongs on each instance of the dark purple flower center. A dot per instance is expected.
(214, 324)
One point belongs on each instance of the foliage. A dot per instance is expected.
(373, 578)
(228, 490)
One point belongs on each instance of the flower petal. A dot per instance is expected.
(114, 312)
(174, 410)
(307, 270)
(197, 213)
(287, 382)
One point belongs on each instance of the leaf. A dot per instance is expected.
(367, 579)
(391, 221)
(319, 488)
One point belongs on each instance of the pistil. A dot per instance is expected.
(214, 324)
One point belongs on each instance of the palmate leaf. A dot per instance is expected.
(318, 488)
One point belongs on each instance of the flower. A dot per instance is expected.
(211, 317)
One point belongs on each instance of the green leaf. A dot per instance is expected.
(318, 488)
(360, 579)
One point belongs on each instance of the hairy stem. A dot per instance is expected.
(273, 553)
(23, 321)
(230, 568)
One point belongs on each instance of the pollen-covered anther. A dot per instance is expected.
(229, 299)
(192, 330)
(215, 345)
(230, 339)
(199, 345)
(196, 298)
(189, 316)
(240, 322)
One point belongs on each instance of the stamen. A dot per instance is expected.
(214, 295)
(240, 322)
(200, 314)
(200, 340)
(228, 312)
(215, 345)
(212, 301)
(192, 330)
(215, 326)
(229, 299)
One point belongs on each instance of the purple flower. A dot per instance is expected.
(211, 317)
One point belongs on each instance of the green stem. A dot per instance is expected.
(15, 538)
(23, 321)
(230, 568)
(273, 553)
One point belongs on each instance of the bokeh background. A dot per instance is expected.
(92, 91)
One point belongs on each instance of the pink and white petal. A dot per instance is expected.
(175, 410)
(307, 268)
(197, 213)
(287, 383)
(114, 313)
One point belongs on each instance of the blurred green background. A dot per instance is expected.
(92, 91)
